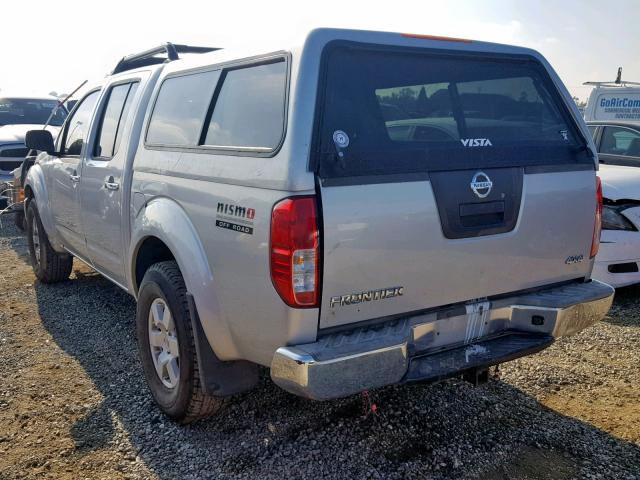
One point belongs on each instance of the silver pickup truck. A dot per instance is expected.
(361, 210)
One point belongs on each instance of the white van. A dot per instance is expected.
(617, 101)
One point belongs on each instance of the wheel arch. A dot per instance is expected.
(162, 230)
(151, 250)
(35, 187)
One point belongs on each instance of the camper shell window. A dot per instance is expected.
(401, 110)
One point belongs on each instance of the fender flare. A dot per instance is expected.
(35, 182)
(167, 221)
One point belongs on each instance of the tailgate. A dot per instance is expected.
(383, 236)
(445, 180)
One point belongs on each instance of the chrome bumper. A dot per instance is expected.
(438, 344)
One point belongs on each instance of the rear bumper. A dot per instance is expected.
(440, 344)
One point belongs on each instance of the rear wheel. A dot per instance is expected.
(167, 346)
(48, 265)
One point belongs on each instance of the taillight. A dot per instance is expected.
(295, 255)
(597, 227)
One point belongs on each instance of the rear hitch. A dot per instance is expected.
(476, 376)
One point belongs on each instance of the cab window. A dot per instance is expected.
(113, 119)
(77, 127)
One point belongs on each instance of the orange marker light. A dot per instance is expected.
(435, 37)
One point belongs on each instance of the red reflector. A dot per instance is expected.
(435, 37)
(597, 226)
(295, 255)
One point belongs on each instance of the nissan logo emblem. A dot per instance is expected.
(481, 185)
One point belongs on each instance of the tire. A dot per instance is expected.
(19, 220)
(180, 396)
(48, 265)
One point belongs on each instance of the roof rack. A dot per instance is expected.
(618, 82)
(611, 84)
(150, 57)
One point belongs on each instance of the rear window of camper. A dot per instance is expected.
(426, 111)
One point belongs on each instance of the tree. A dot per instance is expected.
(423, 102)
(579, 103)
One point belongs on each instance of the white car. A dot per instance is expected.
(18, 115)
(618, 145)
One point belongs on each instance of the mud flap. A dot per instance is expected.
(219, 378)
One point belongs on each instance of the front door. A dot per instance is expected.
(66, 176)
(101, 187)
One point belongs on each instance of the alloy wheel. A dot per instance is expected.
(163, 341)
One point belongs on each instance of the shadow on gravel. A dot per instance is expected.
(94, 431)
(448, 430)
(625, 311)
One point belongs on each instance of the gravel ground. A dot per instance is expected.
(73, 404)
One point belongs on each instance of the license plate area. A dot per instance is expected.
(477, 319)
(459, 325)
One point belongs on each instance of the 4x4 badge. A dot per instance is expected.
(481, 185)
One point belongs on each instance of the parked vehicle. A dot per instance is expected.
(618, 145)
(16, 190)
(614, 101)
(18, 114)
(12, 193)
(263, 212)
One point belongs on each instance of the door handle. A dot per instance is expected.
(111, 185)
(74, 178)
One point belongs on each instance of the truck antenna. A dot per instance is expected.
(60, 103)
(619, 77)
(55, 109)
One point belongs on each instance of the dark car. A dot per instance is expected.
(618, 143)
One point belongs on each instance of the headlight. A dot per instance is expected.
(612, 219)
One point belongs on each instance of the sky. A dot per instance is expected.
(584, 40)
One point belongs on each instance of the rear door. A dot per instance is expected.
(445, 178)
(102, 174)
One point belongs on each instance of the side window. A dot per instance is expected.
(180, 109)
(113, 119)
(250, 107)
(78, 125)
(125, 115)
(592, 131)
(620, 141)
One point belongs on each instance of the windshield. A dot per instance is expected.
(34, 111)
(405, 111)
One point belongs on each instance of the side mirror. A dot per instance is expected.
(40, 140)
